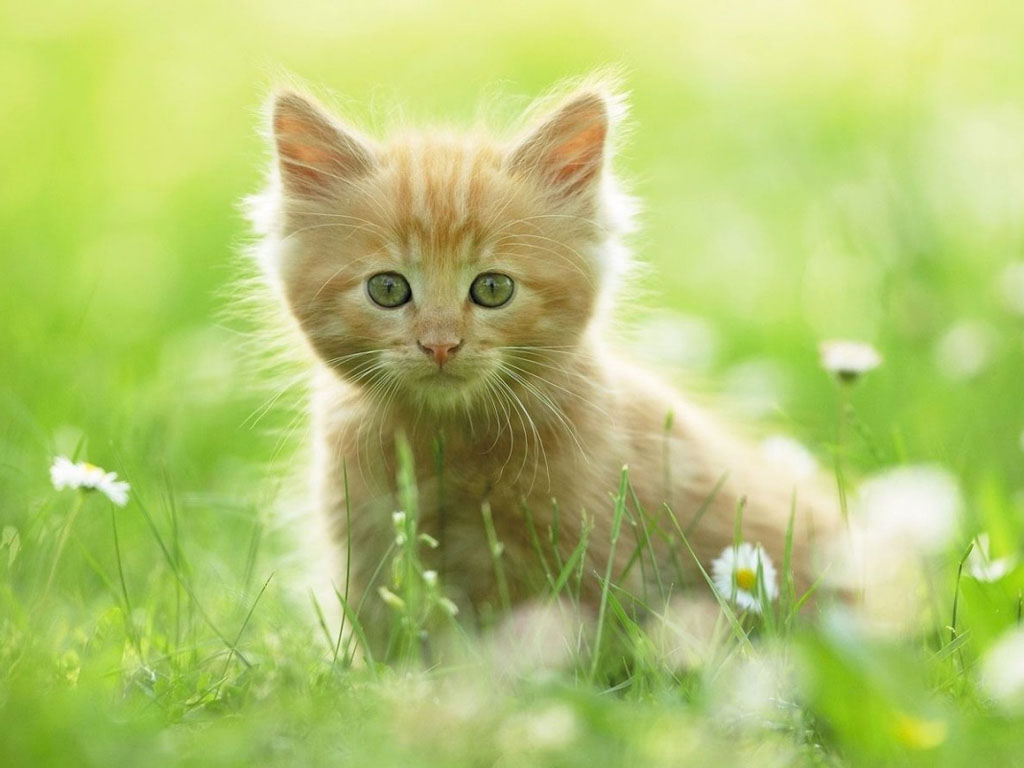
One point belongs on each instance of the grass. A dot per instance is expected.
(809, 170)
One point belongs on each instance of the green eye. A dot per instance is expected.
(492, 289)
(389, 289)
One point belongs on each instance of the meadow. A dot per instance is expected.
(808, 171)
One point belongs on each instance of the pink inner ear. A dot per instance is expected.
(306, 161)
(302, 170)
(315, 155)
(577, 161)
(567, 151)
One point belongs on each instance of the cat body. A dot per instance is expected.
(455, 291)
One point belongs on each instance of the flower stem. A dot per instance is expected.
(76, 507)
(127, 609)
(840, 447)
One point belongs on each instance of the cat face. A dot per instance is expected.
(435, 267)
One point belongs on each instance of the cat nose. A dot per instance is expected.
(441, 351)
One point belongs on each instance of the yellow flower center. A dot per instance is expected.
(90, 467)
(919, 733)
(746, 579)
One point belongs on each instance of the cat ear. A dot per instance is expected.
(567, 152)
(314, 153)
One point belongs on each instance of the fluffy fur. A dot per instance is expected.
(530, 408)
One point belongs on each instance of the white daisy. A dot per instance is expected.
(1002, 671)
(65, 473)
(849, 360)
(735, 573)
(754, 688)
(917, 506)
(982, 567)
(900, 519)
(965, 350)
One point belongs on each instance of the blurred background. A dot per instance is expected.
(810, 169)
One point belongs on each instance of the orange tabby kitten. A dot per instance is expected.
(453, 288)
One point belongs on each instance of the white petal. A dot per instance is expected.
(750, 557)
(67, 474)
(849, 357)
(982, 567)
(117, 492)
(1002, 670)
(63, 473)
(722, 570)
(917, 505)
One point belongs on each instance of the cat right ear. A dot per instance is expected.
(315, 154)
(568, 151)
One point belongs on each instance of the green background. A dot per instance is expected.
(808, 170)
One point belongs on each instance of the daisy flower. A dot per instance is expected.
(1002, 671)
(65, 473)
(965, 350)
(849, 360)
(917, 506)
(735, 574)
(982, 567)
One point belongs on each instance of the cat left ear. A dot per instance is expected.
(315, 154)
(567, 152)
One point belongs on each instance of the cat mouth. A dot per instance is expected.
(443, 387)
(443, 377)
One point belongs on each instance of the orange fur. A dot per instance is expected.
(530, 403)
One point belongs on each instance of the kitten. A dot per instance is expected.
(454, 290)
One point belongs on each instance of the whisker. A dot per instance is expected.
(550, 383)
(577, 265)
(524, 420)
(555, 410)
(263, 409)
(362, 224)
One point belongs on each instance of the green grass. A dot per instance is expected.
(809, 170)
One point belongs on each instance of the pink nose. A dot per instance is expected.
(441, 352)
